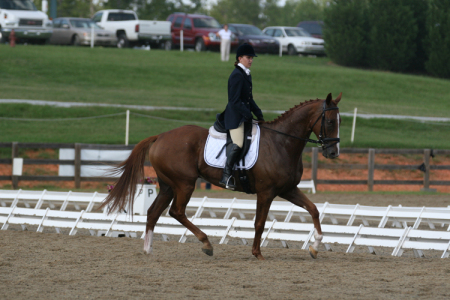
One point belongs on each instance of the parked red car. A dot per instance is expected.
(199, 32)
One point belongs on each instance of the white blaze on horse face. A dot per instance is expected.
(318, 238)
(148, 242)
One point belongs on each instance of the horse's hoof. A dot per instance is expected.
(260, 257)
(208, 252)
(313, 252)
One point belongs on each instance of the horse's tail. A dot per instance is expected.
(132, 170)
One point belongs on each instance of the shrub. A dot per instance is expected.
(345, 32)
(420, 11)
(393, 33)
(438, 25)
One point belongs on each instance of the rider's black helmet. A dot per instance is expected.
(245, 49)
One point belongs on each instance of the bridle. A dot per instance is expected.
(323, 140)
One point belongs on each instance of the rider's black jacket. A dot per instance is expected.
(240, 100)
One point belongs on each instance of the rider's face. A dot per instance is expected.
(246, 60)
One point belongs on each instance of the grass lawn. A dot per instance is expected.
(190, 79)
(377, 133)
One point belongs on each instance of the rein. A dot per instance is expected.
(292, 136)
(322, 141)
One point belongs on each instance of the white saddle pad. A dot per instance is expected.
(217, 140)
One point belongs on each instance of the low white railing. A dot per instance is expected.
(398, 216)
(145, 195)
(351, 236)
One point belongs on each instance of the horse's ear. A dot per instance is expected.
(329, 98)
(338, 98)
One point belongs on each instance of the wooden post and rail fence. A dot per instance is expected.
(315, 165)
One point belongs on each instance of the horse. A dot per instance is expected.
(177, 158)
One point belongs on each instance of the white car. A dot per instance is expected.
(295, 40)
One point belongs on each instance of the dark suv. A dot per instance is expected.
(262, 43)
(199, 31)
(314, 28)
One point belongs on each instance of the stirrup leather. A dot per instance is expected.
(233, 152)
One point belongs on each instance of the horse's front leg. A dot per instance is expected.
(262, 209)
(298, 198)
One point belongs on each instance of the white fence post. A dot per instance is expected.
(354, 125)
(127, 127)
(44, 6)
(92, 36)
(181, 41)
(281, 50)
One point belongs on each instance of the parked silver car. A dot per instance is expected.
(295, 40)
(77, 31)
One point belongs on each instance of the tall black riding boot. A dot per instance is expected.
(233, 152)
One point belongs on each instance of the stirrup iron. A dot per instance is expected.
(230, 187)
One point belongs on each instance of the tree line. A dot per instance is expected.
(394, 35)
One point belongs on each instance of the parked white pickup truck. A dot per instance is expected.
(130, 31)
(28, 23)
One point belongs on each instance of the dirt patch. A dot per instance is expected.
(55, 266)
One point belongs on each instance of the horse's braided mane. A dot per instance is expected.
(291, 110)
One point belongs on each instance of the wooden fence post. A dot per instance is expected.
(314, 164)
(14, 153)
(371, 166)
(77, 165)
(426, 174)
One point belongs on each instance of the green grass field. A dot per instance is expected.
(189, 79)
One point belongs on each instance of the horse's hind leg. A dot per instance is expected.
(297, 197)
(161, 202)
(178, 212)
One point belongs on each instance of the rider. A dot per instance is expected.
(239, 109)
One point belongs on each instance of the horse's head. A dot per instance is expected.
(326, 122)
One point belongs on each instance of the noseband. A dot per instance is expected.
(323, 140)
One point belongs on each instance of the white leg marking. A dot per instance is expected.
(148, 242)
(318, 238)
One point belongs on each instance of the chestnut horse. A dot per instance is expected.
(177, 157)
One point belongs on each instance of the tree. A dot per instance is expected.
(420, 11)
(156, 9)
(74, 8)
(345, 32)
(119, 4)
(392, 37)
(293, 12)
(237, 11)
(438, 27)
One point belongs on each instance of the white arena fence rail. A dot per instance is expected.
(397, 216)
(53, 199)
(350, 236)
